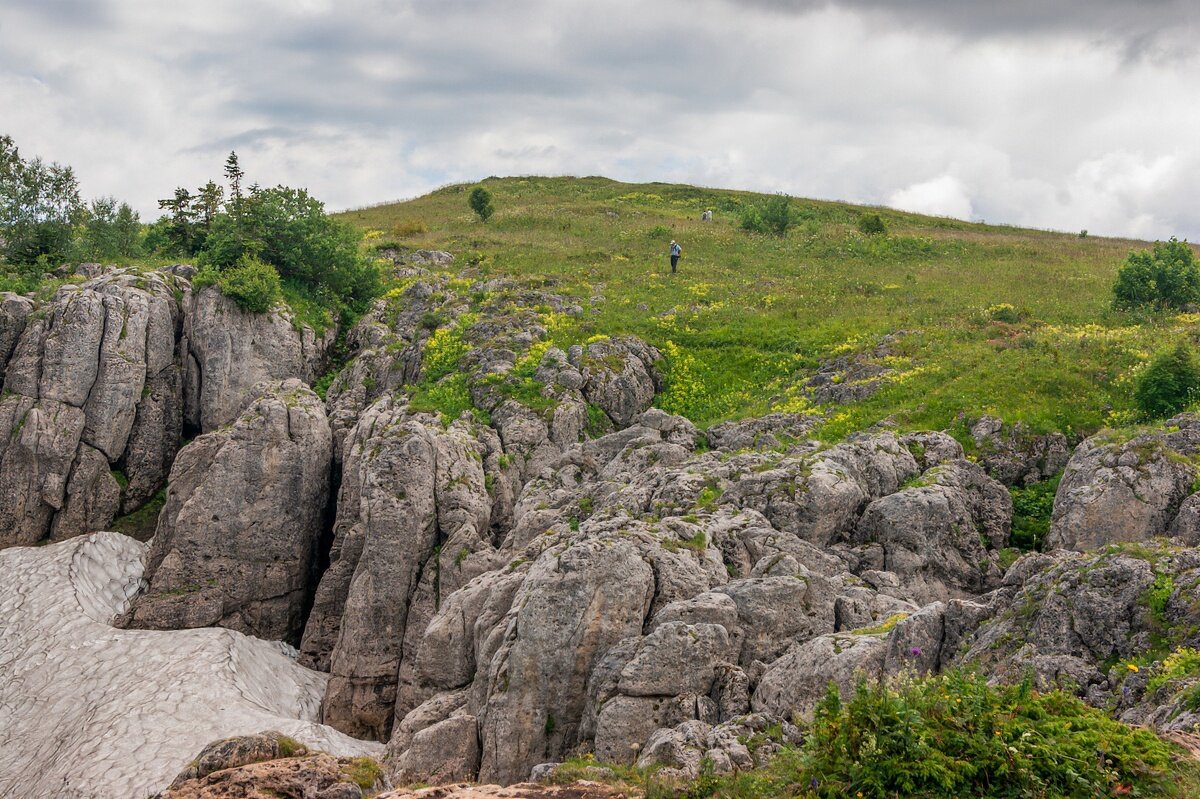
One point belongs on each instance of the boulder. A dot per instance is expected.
(941, 537)
(619, 376)
(238, 535)
(1117, 491)
(792, 686)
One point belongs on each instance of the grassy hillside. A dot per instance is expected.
(1000, 320)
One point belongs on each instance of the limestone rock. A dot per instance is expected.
(1114, 492)
(79, 381)
(941, 538)
(14, 313)
(237, 537)
(619, 376)
(230, 351)
(794, 684)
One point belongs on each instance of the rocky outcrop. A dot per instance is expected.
(15, 311)
(91, 410)
(269, 765)
(1116, 491)
(237, 537)
(230, 351)
(941, 537)
(413, 513)
(1016, 457)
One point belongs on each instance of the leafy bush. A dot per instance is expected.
(871, 225)
(480, 201)
(773, 216)
(1032, 507)
(936, 738)
(1170, 383)
(39, 205)
(955, 735)
(1166, 277)
(289, 230)
(255, 286)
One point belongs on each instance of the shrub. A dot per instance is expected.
(773, 216)
(1170, 382)
(289, 230)
(480, 200)
(871, 225)
(955, 735)
(1032, 507)
(1166, 277)
(255, 286)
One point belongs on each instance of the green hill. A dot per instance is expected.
(996, 319)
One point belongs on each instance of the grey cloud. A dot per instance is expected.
(1155, 31)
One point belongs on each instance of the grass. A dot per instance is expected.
(1007, 321)
(142, 522)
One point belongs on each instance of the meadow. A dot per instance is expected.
(1013, 322)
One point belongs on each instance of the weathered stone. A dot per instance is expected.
(230, 351)
(775, 611)
(238, 534)
(941, 538)
(794, 684)
(1114, 492)
(575, 604)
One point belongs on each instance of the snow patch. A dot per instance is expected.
(87, 710)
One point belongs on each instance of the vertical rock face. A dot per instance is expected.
(230, 351)
(91, 391)
(236, 539)
(14, 313)
(412, 509)
(576, 604)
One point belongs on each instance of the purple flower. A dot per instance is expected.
(915, 651)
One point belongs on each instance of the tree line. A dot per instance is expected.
(280, 238)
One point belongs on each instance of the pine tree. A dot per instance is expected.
(182, 216)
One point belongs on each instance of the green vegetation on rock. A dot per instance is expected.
(946, 737)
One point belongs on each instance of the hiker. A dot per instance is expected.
(676, 251)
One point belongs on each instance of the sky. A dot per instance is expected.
(1061, 114)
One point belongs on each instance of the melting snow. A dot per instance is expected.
(87, 710)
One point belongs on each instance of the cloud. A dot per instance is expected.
(944, 195)
(1053, 115)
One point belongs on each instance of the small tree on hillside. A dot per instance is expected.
(1165, 277)
(480, 201)
(1170, 383)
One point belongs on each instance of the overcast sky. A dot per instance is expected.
(1065, 114)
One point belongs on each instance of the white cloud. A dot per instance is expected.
(942, 196)
(1040, 124)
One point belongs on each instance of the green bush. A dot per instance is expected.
(773, 216)
(956, 736)
(255, 286)
(1032, 507)
(1166, 277)
(289, 230)
(871, 225)
(480, 200)
(1170, 383)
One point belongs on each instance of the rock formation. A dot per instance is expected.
(237, 538)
